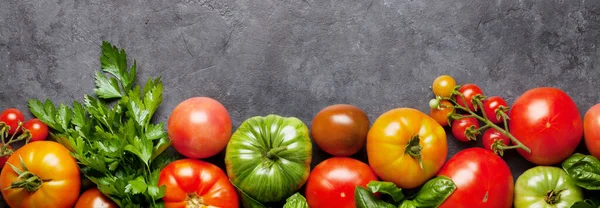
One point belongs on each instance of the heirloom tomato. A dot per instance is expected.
(546, 186)
(547, 121)
(50, 176)
(333, 181)
(407, 147)
(482, 179)
(591, 130)
(195, 183)
(340, 129)
(268, 158)
(199, 127)
(94, 198)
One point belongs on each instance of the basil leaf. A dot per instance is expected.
(388, 188)
(432, 194)
(584, 170)
(588, 203)
(296, 201)
(365, 199)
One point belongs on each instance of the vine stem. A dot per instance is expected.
(487, 122)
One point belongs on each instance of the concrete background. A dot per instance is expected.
(293, 58)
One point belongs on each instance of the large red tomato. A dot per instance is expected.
(195, 183)
(547, 121)
(199, 127)
(482, 179)
(591, 130)
(332, 182)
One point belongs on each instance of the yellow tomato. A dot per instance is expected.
(406, 147)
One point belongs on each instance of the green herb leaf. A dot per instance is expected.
(79, 115)
(152, 95)
(432, 194)
(38, 109)
(296, 201)
(584, 170)
(106, 88)
(365, 199)
(588, 203)
(136, 186)
(388, 188)
(63, 116)
(156, 131)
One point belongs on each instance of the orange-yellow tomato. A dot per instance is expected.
(407, 147)
(441, 115)
(54, 165)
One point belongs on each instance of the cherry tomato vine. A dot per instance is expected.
(466, 101)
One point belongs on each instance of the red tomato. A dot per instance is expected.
(490, 136)
(591, 130)
(460, 126)
(195, 183)
(482, 179)
(332, 182)
(94, 198)
(469, 91)
(37, 128)
(199, 127)
(12, 117)
(547, 121)
(490, 105)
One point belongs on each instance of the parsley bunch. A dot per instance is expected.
(116, 146)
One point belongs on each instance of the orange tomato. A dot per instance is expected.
(407, 147)
(57, 171)
(94, 198)
(441, 115)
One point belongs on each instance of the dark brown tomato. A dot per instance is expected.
(340, 129)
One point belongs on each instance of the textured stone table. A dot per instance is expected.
(295, 57)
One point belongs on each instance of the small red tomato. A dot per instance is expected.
(332, 182)
(3, 159)
(469, 91)
(94, 198)
(12, 117)
(591, 130)
(490, 105)
(460, 126)
(490, 136)
(37, 128)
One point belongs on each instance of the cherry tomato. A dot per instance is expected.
(591, 130)
(195, 183)
(37, 128)
(332, 182)
(547, 121)
(8, 151)
(460, 126)
(94, 198)
(443, 86)
(482, 179)
(341, 129)
(469, 91)
(441, 115)
(12, 117)
(490, 136)
(199, 127)
(490, 105)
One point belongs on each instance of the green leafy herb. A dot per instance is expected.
(432, 194)
(584, 170)
(110, 133)
(388, 188)
(296, 201)
(588, 203)
(365, 199)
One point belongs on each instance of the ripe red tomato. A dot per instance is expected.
(12, 117)
(547, 121)
(199, 127)
(490, 105)
(591, 130)
(460, 126)
(37, 128)
(332, 182)
(482, 179)
(469, 91)
(340, 130)
(195, 183)
(94, 198)
(490, 136)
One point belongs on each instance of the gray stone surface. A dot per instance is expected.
(295, 57)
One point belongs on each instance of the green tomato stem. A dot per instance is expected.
(273, 153)
(414, 149)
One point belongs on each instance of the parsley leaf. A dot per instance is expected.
(107, 87)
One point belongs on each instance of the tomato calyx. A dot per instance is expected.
(413, 148)
(552, 197)
(274, 153)
(29, 181)
(5, 148)
(193, 200)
